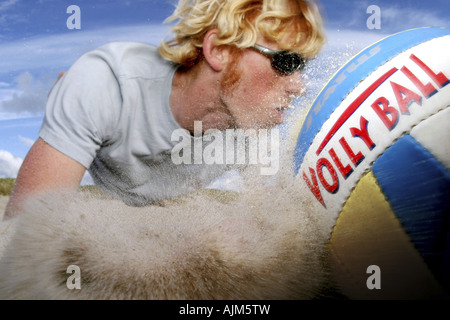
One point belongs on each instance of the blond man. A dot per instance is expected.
(230, 64)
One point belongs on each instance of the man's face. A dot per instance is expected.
(255, 94)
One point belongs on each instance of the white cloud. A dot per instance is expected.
(9, 164)
(5, 5)
(29, 96)
(6, 17)
(26, 141)
(401, 18)
(6, 93)
(61, 50)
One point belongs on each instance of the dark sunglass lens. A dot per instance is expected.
(287, 63)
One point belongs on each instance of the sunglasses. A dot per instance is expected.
(284, 61)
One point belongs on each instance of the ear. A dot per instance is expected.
(216, 55)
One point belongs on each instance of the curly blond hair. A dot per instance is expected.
(293, 24)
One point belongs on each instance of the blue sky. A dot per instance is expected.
(36, 45)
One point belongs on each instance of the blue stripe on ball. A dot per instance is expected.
(417, 186)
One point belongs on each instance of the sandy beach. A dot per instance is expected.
(186, 235)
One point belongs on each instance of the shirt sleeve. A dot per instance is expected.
(83, 108)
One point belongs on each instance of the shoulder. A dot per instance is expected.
(132, 59)
(127, 49)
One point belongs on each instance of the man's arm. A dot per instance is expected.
(44, 169)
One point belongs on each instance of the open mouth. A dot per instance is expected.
(286, 103)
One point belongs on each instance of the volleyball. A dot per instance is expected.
(373, 153)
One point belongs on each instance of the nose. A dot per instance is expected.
(293, 85)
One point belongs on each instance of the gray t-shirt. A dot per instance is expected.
(110, 112)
